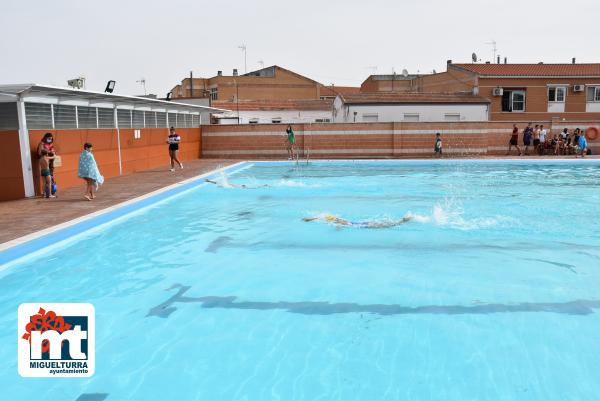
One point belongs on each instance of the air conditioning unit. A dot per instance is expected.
(578, 88)
(498, 92)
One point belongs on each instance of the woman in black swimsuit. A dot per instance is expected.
(173, 141)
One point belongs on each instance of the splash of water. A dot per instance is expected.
(451, 214)
(223, 181)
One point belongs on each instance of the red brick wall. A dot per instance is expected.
(149, 151)
(11, 173)
(451, 81)
(363, 140)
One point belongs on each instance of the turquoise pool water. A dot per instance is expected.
(490, 292)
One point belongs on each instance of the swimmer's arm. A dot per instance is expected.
(310, 218)
(211, 181)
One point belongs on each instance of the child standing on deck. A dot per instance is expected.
(437, 148)
(173, 140)
(45, 159)
(290, 140)
(88, 170)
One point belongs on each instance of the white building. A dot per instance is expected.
(409, 107)
(273, 111)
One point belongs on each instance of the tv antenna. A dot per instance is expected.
(143, 83)
(242, 47)
(494, 48)
(261, 63)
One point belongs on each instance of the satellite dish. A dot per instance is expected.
(474, 57)
(405, 73)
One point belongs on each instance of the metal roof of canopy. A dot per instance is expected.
(33, 91)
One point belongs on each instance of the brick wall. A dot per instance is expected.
(364, 140)
(451, 81)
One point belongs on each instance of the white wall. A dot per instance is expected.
(287, 116)
(395, 113)
(592, 107)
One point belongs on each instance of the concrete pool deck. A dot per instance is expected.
(25, 216)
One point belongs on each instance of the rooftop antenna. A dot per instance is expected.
(143, 83)
(405, 73)
(261, 63)
(474, 57)
(242, 47)
(494, 48)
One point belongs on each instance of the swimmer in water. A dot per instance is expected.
(230, 185)
(330, 218)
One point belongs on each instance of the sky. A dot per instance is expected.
(330, 41)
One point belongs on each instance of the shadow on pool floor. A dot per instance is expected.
(164, 310)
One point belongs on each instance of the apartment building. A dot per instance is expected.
(388, 83)
(517, 92)
(273, 111)
(409, 107)
(270, 83)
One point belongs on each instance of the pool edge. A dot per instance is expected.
(15, 249)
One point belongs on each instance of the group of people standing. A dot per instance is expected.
(565, 143)
(87, 167)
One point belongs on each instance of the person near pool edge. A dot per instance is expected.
(173, 140)
(47, 144)
(438, 145)
(290, 140)
(88, 170)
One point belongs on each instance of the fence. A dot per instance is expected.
(367, 140)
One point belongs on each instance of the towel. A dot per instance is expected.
(88, 167)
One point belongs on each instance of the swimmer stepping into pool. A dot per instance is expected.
(330, 218)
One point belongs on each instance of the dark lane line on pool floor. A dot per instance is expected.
(164, 310)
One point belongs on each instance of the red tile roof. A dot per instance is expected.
(533, 70)
(253, 105)
(415, 98)
(335, 90)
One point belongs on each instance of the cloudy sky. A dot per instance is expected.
(331, 41)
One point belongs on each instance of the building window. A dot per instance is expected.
(276, 120)
(513, 101)
(214, 93)
(593, 94)
(253, 121)
(370, 118)
(556, 94)
(452, 117)
(411, 117)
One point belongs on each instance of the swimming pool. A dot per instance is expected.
(491, 291)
